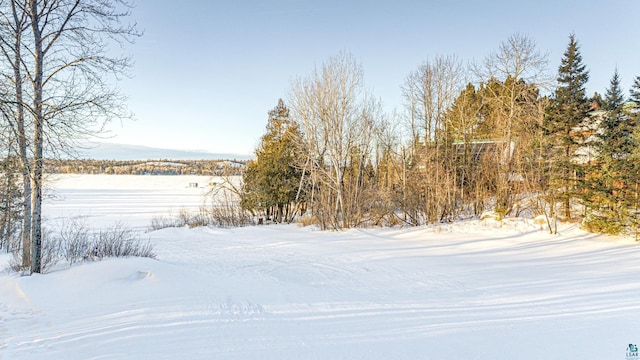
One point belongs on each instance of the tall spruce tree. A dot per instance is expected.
(635, 91)
(611, 195)
(567, 109)
(634, 160)
(271, 181)
(615, 143)
(614, 98)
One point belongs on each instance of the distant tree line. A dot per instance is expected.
(146, 167)
(498, 136)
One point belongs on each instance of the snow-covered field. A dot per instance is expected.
(469, 290)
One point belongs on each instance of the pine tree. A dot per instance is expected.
(597, 102)
(272, 180)
(635, 91)
(567, 109)
(11, 200)
(634, 160)
(614, 99)
(612, 178)
(616, 137)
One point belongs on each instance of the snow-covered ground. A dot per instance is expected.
(468, 290)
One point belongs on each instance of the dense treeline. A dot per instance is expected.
(500, 136)
(147, 167)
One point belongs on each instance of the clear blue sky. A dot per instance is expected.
(208, 71)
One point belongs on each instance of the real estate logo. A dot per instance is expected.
(632, 352)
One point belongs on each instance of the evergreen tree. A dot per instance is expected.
(272, 180)
(615, 139)
(567, 109)
(597, 102)
(634, 160)
(611, 195)
(11, 200)
(464, 117)
(614, 97)
(635, 91)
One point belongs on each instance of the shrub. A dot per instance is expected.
(74, 235)
(307, 220)
(119, 241)
(229, 215)
(603, 225)
(202, 218)
(163, 222)
(51, 253)
(225, 214)
(74, 242)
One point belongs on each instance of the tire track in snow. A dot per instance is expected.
(183, 325)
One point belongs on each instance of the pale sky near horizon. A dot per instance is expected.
(207, 72)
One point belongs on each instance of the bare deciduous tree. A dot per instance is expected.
(512, 75)
(338, 119)
(429, 93)
(60, 49)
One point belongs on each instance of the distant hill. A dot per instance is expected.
(110, 151)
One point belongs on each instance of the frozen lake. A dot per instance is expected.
(102, 200)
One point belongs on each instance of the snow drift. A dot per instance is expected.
(471, 290)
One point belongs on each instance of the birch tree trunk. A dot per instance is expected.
(38, 124)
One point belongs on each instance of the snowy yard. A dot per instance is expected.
(469, 290)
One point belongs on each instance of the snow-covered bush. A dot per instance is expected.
(73, 237)
(227, 214)
(119, 241)
(74, 241)
(163, 222)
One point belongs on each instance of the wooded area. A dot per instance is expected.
(511, 141)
